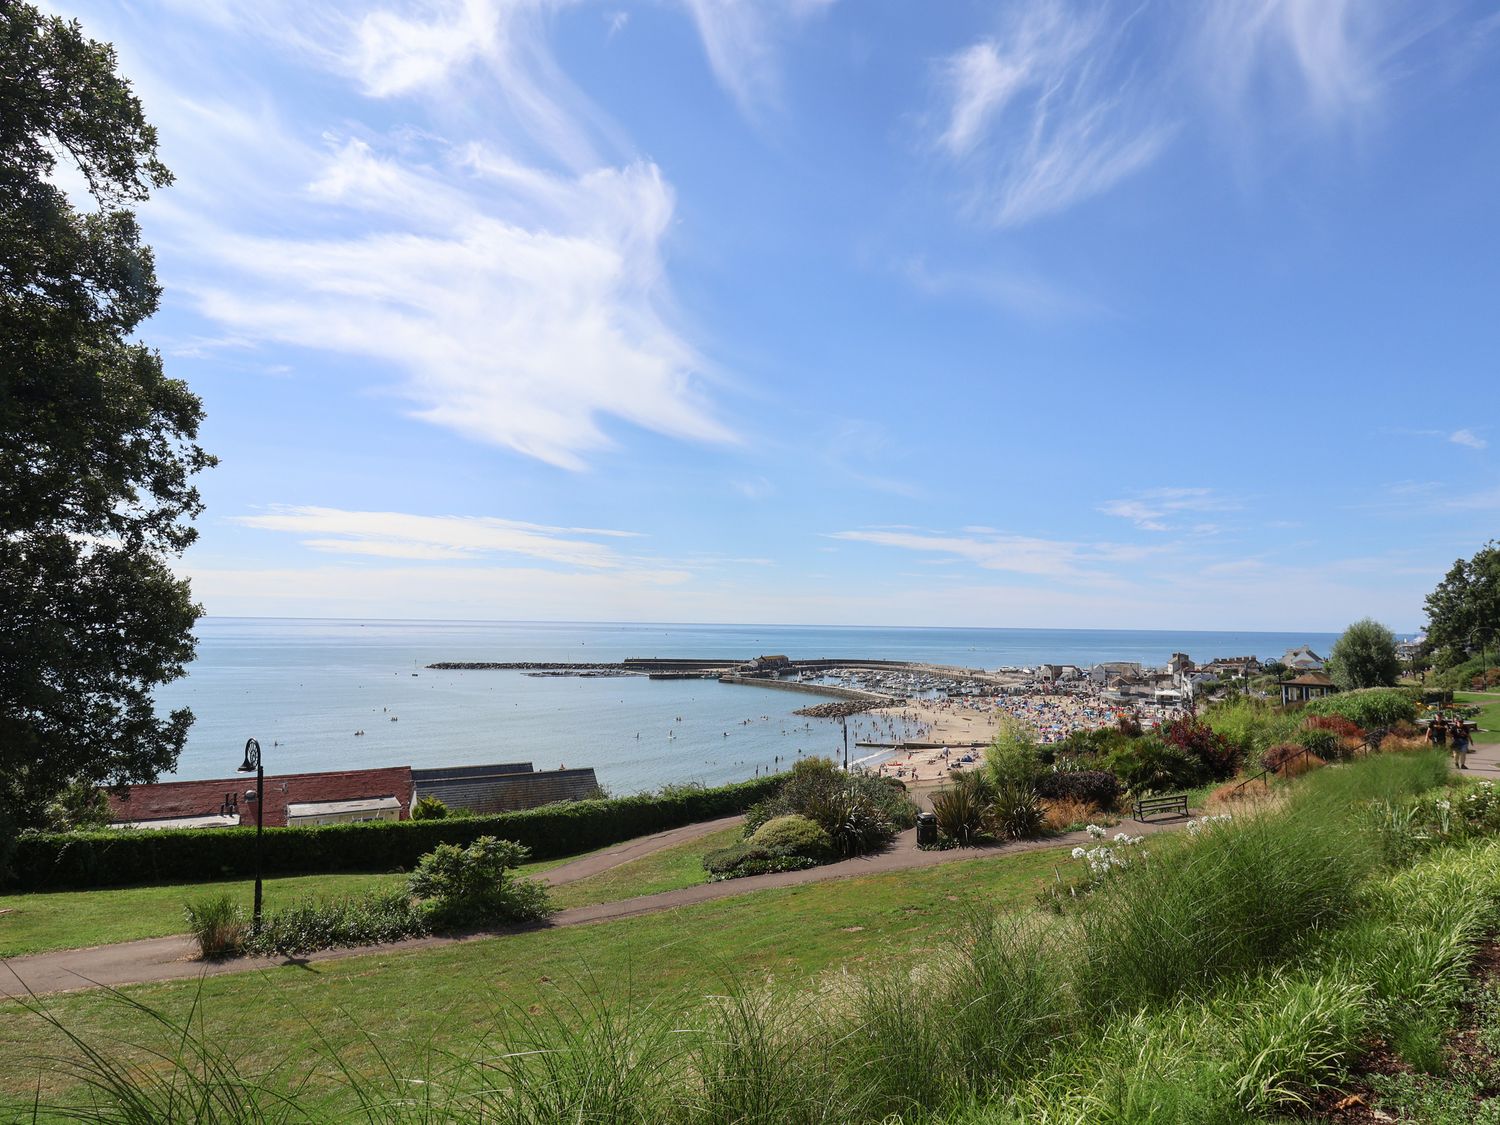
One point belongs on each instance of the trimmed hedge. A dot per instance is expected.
(114, 857)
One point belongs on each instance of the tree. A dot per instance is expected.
(97, 446)
(1365, 656)
(1463, 611)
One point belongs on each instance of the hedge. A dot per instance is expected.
(114, 857)
(1369, 707)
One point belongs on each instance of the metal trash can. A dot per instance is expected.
(927, 833)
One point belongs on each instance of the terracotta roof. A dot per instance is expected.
(176, 799)
(1311, 679)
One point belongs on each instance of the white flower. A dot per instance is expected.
(1095, 831)
(1079, 853)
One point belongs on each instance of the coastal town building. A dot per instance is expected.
(1114, 670)
(305, 800)
(292, 799)
(502, 788)
(1303, 659)
(1305, 687)
(1233, 667)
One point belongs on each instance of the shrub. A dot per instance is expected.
(1013, 756)
(467, 886)
(1017, 812)
(1324, 743)
(1152, 765)
(860, 812)
(1346, 729)
(429, 808)
(330, 923)
(217, 923)
(741, 860)
(965, 809)
(47, 861)
(1216, 756)
(1251, 724)
(1096, 787)
(1370, 707)
(793, 835)
(1068, 814)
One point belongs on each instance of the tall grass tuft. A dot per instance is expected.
(217, 924)
(1234, 899)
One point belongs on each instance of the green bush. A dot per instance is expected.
(860, 812)
(429, 808)
(463, 887)
(49, 861)
(1151, 765)
(1326, 744)
(1370, 708)
(793, 835)
(1014, 756)
(965, 808)
(217, 924)
(1016, 813)
(329, 923)
(740, 860)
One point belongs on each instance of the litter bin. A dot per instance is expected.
(926, 830)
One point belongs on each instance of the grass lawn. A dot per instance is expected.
(678, 866)
(1489, 717)
(36, 923)
(459, 996)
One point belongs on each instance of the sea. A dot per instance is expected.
(305, 688)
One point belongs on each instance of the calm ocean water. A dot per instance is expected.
(303, 687)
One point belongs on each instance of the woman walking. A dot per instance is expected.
(1460, 739)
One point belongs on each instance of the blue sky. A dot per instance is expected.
(1174, 315)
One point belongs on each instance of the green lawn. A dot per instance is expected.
(1489, 717)
(678, 866)
(457, 997)
(36, 923)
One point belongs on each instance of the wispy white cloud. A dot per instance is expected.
(519, 300)
(1045, 113)
(1018, 554)
(1468, 438)
(1150, 510)
(1067, 98)
(743, 41)
(401, 535)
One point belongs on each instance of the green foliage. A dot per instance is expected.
(1371, 708)
(463, 887)
(114, 858)
(1098, 787)
(740, 860)
(965, 808)
(429, 808)
(1013, 755)
(1326, 744)
(1016, 813)
(860, 812)
(78, 807)
(328, 923)
(1364, 657)
(97, 446)
(1463, 611)
(1253, 725)
(1150, 765)
(793, 835)
(217, 924)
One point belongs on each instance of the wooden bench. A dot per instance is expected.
(1146, 807)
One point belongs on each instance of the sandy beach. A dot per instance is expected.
(955, 724)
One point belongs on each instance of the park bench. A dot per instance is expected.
(1146, 807)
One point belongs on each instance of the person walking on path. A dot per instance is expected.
(1437, 731)
(1460, 745)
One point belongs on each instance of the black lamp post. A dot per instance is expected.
(251, 764)
(844, 722)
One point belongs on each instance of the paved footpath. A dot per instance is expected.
(175, 958)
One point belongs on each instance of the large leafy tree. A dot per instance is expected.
(97, 446)
(1365, 656)
(1463, 611)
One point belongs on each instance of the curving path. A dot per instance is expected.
(175, 958)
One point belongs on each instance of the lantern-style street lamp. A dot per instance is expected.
(251, 764)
